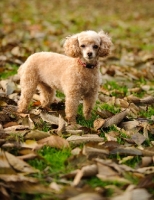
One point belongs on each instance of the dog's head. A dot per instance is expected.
(88, 45)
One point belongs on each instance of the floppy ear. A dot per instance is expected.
(71, 46)
(105, 44)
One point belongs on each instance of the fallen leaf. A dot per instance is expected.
(54, 141)
(116, 119)
(138, 138)
(52, 119)
(87, 196)
(147, 100)
(86, 171)
(98, 123)
(16, 164)
(126, 151)
(36, 135)
(84, 139)
(92, 152)
(30, 144)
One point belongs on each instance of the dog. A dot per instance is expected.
(76, 74)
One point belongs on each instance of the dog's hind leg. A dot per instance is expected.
(28, 82)
(46, 94)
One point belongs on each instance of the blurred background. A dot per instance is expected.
(28, 26)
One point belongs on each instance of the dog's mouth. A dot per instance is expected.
(89, 58)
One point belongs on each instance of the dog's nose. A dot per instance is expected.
(89, 54)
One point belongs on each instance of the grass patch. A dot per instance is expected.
(118, 89)
(53, 162)
(96, 182)
(82, 121)
(112, 108)
(9, 71)
(148, 113)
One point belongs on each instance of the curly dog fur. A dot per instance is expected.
(76, 75)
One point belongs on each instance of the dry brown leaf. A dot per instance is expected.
(20, 183)
(133, 194)
(92, 152)
(5, 167)
(113, 179)
(98, 123)
(87, 196)
(55, 186)
(54, 141)
(17, 128)
(147, 100)
(142, 193)
(28, 156)
(27, 121)
(145, 129)
(10, 124)
(8, 86)
(129, 125)
(106, 170)
(52, 119)
(75, 132)
(29, 144)
(84, 139)
(104, 113)
(133, 99)
(138, 138)
(86, 171)
(116, 119)
(146, 170)
(17, 164)
(110, 138)
(148, 151)
(36, 135)
(127, 151)
(146, 161)
(123, 103)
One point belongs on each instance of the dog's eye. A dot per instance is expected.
(95, 47)
(83, 46)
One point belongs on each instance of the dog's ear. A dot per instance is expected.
(105, 44)
(71, 46)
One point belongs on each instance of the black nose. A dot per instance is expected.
(89, 54)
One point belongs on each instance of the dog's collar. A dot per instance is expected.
(87, 65)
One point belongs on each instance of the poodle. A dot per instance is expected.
(76, 74)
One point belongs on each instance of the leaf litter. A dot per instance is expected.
(117, 151)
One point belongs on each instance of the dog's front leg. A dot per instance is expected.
(71, 107)
(88, 103)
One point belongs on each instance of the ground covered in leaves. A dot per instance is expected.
(111, 156)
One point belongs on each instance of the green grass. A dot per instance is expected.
(53, 162)
(82, 121)
(119, 89)
(148, 113)
(9, 71)
(96, 182)
(112, 108)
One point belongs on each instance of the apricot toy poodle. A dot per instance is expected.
(76, 74)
